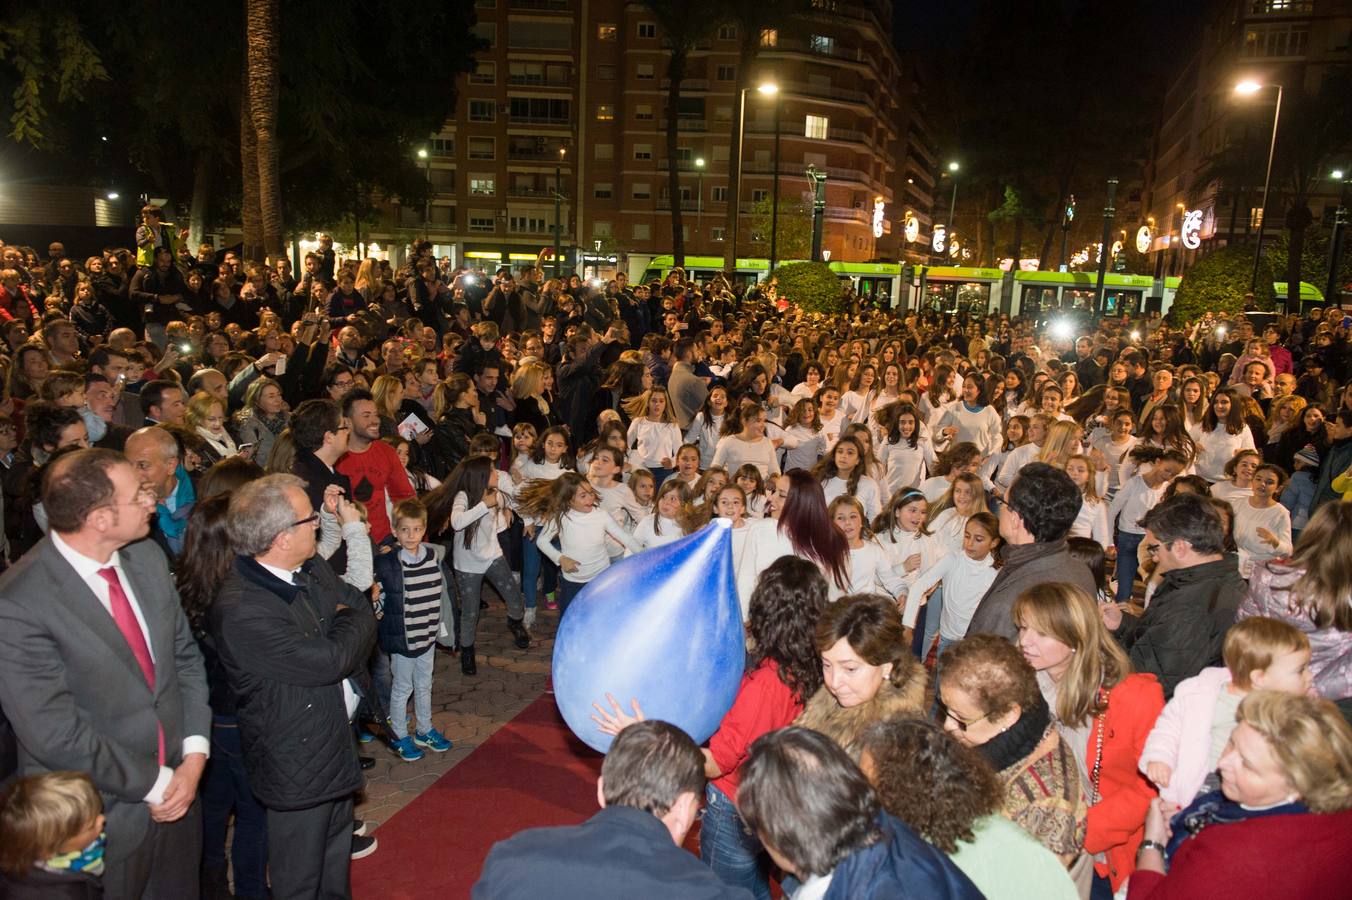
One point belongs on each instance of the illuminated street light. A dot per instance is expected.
(422, 153)
(953, 167)
(768, 88)
(1247, 88)
(113, 195)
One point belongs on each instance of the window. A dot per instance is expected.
(722, 113)
(647, 29)
(643, 151)
(484, 73)
(716, 233)
(644, 71)
(1275, 40)
(643, 111)
(817, 127)
(1267, 7)
(720, 195)
(601, 229)
(482, 148)
(443, 215)
(769, 37)
(641, 191)
(606, 32)
(535, 73)
(481, 220)
(603, 190)
(442, 181)
(685, 232)
(605, 72)
(643, 231)
(820, 43)
(486, 32)
(443, 146)
(605, 112)
(482, 185)
(1255, 216)
(687, 194)
(527, 224)
(726, 73)
(759, 194)
(482, 110)
(603, 151)
(684, 154)
(539, 34)
(539, 110)
(727, 32)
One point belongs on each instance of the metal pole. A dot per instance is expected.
(774, 196)
(1065, 235)
(1105, 248)
(1267, 184)
(699, 202)
(1332, 288)
(427, 205)
(953, 205)
(558, 214)
(818, 180)
(730, 264)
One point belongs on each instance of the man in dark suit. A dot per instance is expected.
(649, 791)
(99, 672)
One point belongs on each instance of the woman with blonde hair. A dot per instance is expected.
(1104, 712)
(1061, 443)
(206, 416)
(529, 383)
(1312, 590)
(370, 281)
(653, 433)
(1282, 415)
(388, 392)
(1286, 794)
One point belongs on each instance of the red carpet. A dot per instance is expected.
(532, 772)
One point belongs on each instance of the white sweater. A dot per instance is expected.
(900, 546)
(1253, 549)
(1016, 460)
(646, 534)
(947, 529)
(582, 538)
(832, 427)
(866, 492)
(965, 580)
(802, 447)
(733, 452)
(905, 465)
(653, 442)
(523, 470)
(705, 437)
(1133, 501)
(981, 427)
(1215, 447)
(484, 546)
(1092, 522)
(871, 571)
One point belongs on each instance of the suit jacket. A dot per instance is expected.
(74, 692)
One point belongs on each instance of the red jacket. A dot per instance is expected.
(17, 306)
(1293, 857)
(764, 703)
(1117, 821)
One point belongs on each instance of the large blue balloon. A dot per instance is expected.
(663, 627)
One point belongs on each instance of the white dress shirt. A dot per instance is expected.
(88, 570)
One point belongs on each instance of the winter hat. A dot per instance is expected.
(1308, 455)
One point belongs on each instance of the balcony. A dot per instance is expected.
(835, 173)
(829, 92)
(533, 193)
(539, 5)
(545, 81)
(797, 45)
(687, 84)
(684, 124)
(554, 121)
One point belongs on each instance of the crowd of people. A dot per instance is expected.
(1093, 591)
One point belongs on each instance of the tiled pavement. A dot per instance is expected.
(468, 710)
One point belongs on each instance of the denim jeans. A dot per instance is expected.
(469, 585)
(226, 787)
(533, 563)
(727, 847)
(660, 474)
(1127, 543)
(568, 590)
(412, 675)
(381, 682)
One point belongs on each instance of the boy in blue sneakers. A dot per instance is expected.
(414, 591)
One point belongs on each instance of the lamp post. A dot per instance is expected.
(774, 194)
(818, 181)
(1248, 88)
(699, 190)
(1109, 211)
(1332, 289)
(953, 200)
(427, 204)
(769, 89)
(558, 212)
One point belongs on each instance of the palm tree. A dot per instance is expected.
(683, 24)
(262, 90)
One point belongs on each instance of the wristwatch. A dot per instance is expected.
(1149, 845)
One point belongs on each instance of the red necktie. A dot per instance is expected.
(131, 631)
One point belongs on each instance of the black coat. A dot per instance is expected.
(287, 649)
(450, 439)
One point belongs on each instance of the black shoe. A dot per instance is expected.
(215, 884)
(467, 665)
(363, 845)
(367, 762)
(359, 827)
(519, 635)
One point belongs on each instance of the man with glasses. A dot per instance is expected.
(292, 638)
(1183, 629)
(99, 672)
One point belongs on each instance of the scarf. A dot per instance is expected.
(1020, 739)
(89, 860)
(96, 427)
(1217, 809)
(173, 524)
(223, 444)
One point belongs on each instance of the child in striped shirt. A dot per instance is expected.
(415, 592)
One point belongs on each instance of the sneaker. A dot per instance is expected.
(365, 736)
(433, 740)
(363, 846)
(529, 619)
(359, 827)
(550, 602)
(406, 749)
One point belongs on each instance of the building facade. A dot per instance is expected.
(565, 115)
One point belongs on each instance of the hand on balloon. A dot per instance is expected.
(616, 720)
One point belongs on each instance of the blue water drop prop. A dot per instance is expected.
(663, 627)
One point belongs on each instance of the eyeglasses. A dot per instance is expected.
(308, 520)
(951, 716)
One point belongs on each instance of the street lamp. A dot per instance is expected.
(766, 89)
(558, 212)
(427, 204)
(1248, 88)
(699, 189)
(1332, 289)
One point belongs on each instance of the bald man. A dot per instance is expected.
(153, 452)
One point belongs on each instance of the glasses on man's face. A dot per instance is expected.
(962, 724)
(311, 519)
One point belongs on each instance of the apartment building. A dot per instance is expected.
(1294, 43)
(566, 111)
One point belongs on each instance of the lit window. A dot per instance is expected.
(482, 185)
(817, 127)
(769, 37)
(607, 32)
(605, 112)
(820, 43)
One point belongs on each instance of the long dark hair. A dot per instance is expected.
(469, 477)
(1234, 422)
(537, 450)
(206, 558)
(785, 605)
(809, 529)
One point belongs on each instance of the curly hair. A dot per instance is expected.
(959, 786)
(787, 602)
(992, 671)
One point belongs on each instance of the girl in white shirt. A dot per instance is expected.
(833, 420)
(971, 418)
(613, 496)
(871, 569)
(749, 444)
(1238, 484)
(964, 499)
(710, 483)
(1113, 444)
(568, 507)
(707, 423)
(653, 433)
(813, 374)
(857, 402)
(749, 479)
(872, 467)
(965, 576)
(548, 460)
(1050, 403)
(905, 452)
(1092, 520)
(1022, 455)
(842, 472)
(803, 442)
(958, 460)
(1262, 525)
(900, 531)
(1224, 433)
(663, 524)
(1138, 496)
(934, 402)
(687, 467)
(644, 488)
